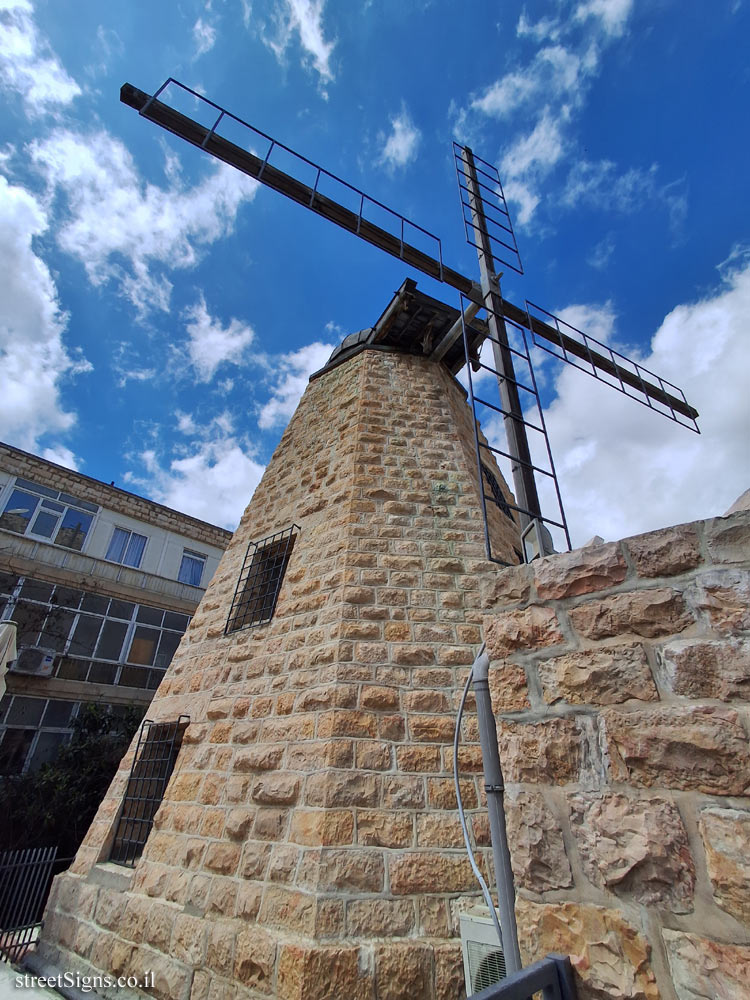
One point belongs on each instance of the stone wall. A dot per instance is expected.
(308, 844)
(621, 681)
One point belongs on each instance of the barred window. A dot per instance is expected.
(155, 756)
(260, 580)
(497, 494)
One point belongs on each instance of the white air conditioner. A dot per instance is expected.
(34, 660)
(484, 962)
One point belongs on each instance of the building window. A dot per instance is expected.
(155, 756)
(191, 568)
(96, 639)
(260, 580)
(40, 512)
(126, 547)
(497, 494)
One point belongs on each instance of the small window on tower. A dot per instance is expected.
(155, 757)
(260, 581)
(497, 493)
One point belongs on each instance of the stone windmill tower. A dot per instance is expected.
(306, 842)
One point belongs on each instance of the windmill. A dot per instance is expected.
(503, 324)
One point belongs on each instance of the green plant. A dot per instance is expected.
(56, 804)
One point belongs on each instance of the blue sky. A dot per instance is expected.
(160, 313)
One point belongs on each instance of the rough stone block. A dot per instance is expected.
(353, 869)
(288, 909)
(698, 668)
(691, 748)
(318, 827)
(508, 688)
(403, 970)
(582, 571)
(373, 918)
(189, 940)
(604, 676)
(541, 752)
(373, 755)
(535, 839)
(262, 757)
(422, 871)
(254, 959)
(449, 972)
(665, 552)
(339, 788)
(381, 828)
(610, 957)
(522, 631)
(724, 596)
(508, 586)
(432, 728)
(276, 789)
(703, 968)
(648, 613)
(321, 973)
(726, 838)
(728, 538)
(636, 847)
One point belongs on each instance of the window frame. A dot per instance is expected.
(131, 535)
(154, 761)
(261, 578)
(47, 500)
(197, 557)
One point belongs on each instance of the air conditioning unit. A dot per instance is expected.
(34, 660)
(484, 962)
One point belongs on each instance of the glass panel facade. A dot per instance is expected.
(99, 640)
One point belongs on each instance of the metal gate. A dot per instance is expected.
(25, 879)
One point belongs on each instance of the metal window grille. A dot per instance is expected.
(25, 878)
(155, 756)
(260, 580)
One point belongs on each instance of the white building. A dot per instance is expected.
(101, 583)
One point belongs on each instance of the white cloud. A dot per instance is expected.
(127, 367)
(542, 30)
(595, 321)
(611, 14)
(600, 186)
(61, 456)
(212, 479)
(304, 19)
(545, 94)
(401, 144)
(27, 63)
(554, 72)
(204, 36)
(123, 229)
(601, 254)
(294, 369)
(624, 469)
(530, 159)
(538, 150)
(212, 344)
(33, 359)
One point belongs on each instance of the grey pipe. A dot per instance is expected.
(494, 787)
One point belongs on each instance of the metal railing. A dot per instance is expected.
(25, 880)
(552, 976)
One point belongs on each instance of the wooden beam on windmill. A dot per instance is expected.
(401, 241)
